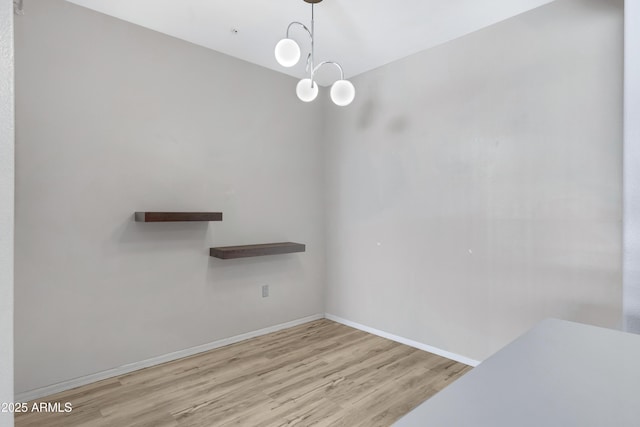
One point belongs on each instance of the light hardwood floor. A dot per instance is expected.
(318, 374)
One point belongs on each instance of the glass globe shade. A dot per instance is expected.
(305, 92)
(343, 92)
(287, 52)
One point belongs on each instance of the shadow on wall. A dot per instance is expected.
(367, 113)
(133, 237)
(398, 124)
(247, 272)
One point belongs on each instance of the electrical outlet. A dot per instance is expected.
(265, 291)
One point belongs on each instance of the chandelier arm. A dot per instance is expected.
(302, 25)
(313, 48)
(332, 63)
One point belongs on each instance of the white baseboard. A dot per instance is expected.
(125, 369)
(406, 341)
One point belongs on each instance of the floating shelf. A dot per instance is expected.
(177, 216)
(245, 251)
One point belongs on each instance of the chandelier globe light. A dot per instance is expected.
(288, 54)
(306, 90)
(342, 92)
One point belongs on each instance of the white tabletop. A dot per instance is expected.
(559, 373)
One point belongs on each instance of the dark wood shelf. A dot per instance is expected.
(177, 216)
(245, 251)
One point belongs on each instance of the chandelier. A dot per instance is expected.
(288, 54)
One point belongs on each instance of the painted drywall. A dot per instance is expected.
(112, 118)
(632, 166)
(476, 188)
(6, 207)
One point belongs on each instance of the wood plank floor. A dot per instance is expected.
(318, 374)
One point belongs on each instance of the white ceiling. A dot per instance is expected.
(360, 35)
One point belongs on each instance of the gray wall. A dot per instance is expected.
(475, 188)
(6, 207)
(632, 166)
(471, 189)
(113, 118)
